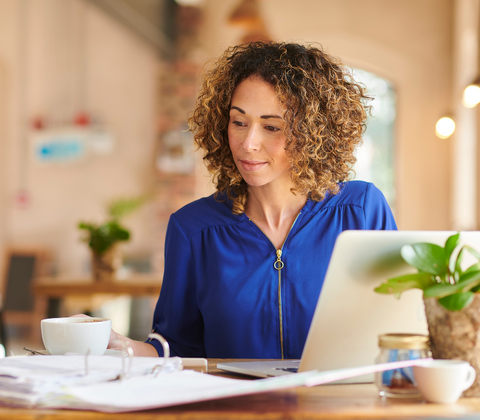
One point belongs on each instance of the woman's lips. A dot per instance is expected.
(251, 165)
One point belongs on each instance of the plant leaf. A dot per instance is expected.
(469, 280)
(442, 290)
(398, 285)
(473, 268)
(86, 226)
(450, 246)
(473, 252)
(426, 257)
(103, 237)
(458, 264)
(457, 301)
(123, 206)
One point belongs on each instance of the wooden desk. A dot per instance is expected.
(322, 402)
(54, 289)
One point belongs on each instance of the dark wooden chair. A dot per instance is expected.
(18, 306)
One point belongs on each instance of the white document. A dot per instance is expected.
(61, 382)
(27, 380)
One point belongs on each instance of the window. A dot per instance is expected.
(375, 157)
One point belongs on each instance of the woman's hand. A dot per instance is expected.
(116, 341)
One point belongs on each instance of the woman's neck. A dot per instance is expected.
(273, 211)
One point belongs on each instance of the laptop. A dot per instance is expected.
(349, 315)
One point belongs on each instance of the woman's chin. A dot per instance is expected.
(255, 181)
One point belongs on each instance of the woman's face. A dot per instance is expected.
(255, 134)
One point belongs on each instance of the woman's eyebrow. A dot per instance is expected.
(238, 109)
(266, 117)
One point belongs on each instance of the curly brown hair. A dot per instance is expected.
(324, 118)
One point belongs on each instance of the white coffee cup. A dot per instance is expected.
(76, 335)
(443, 381)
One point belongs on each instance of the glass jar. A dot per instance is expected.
(400, 383)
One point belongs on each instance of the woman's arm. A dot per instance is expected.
(119, 342)
(177, 317)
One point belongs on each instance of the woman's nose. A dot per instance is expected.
(252, 140)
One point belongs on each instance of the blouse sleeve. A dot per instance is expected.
(177, 317)
(378, 215)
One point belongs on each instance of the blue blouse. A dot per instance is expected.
(223, 294)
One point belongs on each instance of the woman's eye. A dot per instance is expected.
(271, 128)
(238, 123)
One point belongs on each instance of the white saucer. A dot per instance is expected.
(108, 352)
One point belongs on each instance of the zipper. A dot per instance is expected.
(278, 265)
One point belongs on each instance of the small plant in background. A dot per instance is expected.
(440, 274)
(102, 237)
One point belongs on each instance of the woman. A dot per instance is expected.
(279, 124)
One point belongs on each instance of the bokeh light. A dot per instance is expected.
(445, 127)
(471, 96)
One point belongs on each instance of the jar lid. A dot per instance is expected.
(403, 341)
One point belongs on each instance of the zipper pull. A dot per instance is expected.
(278, 264)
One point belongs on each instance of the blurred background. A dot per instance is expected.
(95, 95)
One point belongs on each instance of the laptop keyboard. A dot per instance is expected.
(290, 369)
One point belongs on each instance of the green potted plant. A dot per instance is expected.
(103, 238)
(451, 296)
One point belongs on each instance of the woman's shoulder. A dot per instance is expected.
(353, 193)
(204, 213)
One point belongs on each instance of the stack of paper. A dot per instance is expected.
(64, 382)
(27, 381)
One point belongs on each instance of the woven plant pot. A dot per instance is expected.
(456, 335)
